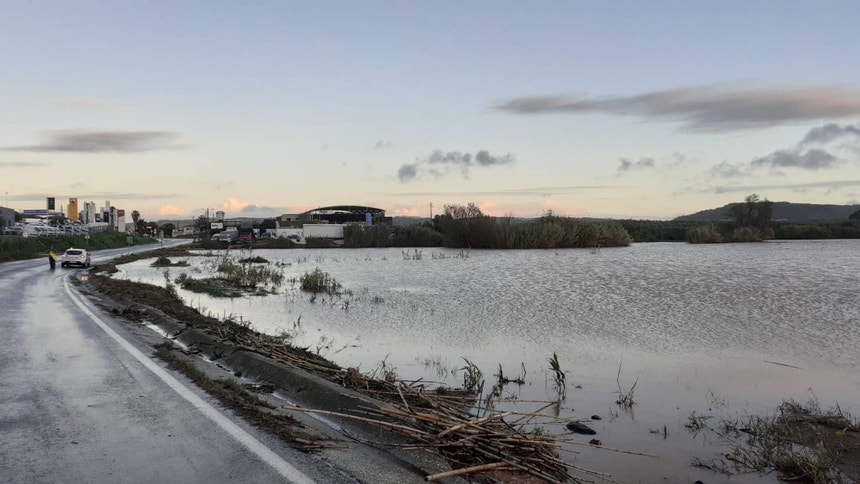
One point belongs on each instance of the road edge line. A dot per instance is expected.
(264, 453)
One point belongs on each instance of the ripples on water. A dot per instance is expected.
(686, 319)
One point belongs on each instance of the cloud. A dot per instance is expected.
(21, 164)
(441, 163)
(252, 210)
(381, 145)
(98, 197)
(81, 141)
(829, 132)
(627, 165)
(484, 158)
(407, 172)
(831, 185)
(814, 159)
(234, 205)
(708, 108)
(171, 211)
(727, 170)
(131, 196)
(512, 192)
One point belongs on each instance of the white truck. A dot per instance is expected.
(227, 236)
(323, 231)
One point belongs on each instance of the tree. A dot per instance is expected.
(168, 229)
(135, 216)
(201, 225)
(139, 225)
(855, 215)
(753, 212)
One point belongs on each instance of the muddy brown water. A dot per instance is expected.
(719, 330)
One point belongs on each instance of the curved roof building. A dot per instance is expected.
(339, 214)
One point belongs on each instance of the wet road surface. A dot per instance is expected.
(81, 401)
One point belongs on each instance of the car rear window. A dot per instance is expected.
(74, 252)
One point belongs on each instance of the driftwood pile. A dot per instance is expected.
(493, 447)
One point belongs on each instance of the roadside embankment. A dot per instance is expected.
(228, 360)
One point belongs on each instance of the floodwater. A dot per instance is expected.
(720, 330)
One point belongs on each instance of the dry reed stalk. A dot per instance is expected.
(464, 471)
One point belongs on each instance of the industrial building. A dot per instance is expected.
(336, 214)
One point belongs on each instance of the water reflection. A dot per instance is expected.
(691, 324)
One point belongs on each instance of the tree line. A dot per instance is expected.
(466, 226)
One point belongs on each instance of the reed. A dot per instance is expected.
(318, 281)
(703, 235)
(558, 376)
(625, 397)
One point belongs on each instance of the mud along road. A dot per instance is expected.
(81, 401)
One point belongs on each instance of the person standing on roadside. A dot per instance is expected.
(52, 258)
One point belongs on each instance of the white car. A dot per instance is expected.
(73, 256)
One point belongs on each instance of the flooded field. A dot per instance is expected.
(719, 330)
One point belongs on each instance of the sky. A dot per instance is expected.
(599, 109)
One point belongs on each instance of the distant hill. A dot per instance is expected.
(782, 211)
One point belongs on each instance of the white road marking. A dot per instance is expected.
(274, 460)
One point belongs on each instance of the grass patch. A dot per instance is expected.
(254, 260)
(249, 276)
(166, 262)
(211, 286)
(800, 443)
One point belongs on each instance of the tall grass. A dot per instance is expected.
(703, 235)
(249, 275)
(318, 281)
(747, 234)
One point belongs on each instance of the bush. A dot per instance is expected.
(703, 235)
(319, 281)
(747, 234)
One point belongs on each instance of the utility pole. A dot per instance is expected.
(431, 211)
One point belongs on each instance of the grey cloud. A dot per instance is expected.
(451, 157)
(104, 142)
(831, 185)
(381, 145)
(728, 170)
(21, 164)
(407, 172)
(440, 163)
(814, 159)
(484, 158)
(708, 108)
(627, 165)
(829, 132)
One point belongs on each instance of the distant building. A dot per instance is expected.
(7, 217)
(344, 214)
(90, 213)
(73, 209)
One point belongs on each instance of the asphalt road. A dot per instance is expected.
(82, 401)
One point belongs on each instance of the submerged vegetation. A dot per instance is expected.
(800, 443)
(318, 281)
(163, 261)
